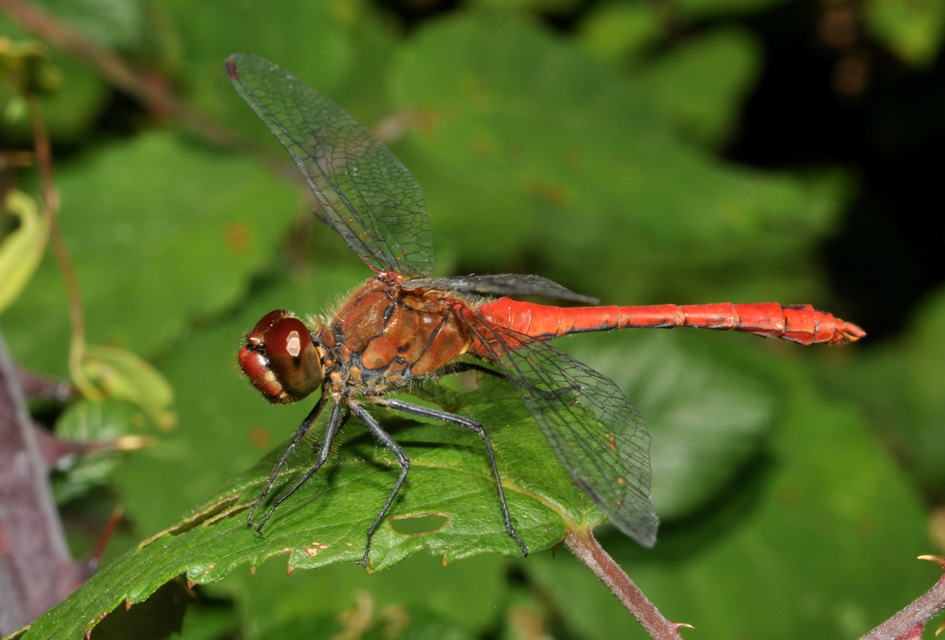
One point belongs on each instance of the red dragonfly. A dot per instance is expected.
(403, 326)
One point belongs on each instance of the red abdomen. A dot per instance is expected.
(798, 323)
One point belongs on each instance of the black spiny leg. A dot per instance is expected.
(299, 434)
(402, 458)
(475, 427)
(334, 424)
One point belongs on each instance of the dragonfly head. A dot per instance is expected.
(281, 359)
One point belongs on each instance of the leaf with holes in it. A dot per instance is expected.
(448, 506)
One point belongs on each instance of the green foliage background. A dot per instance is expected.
(796, 486)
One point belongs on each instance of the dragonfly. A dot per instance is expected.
(404, 326)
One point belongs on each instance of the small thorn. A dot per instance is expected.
(252, 570)
(127, 606)
(939, 560)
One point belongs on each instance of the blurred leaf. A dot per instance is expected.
(620, 31)
(22, 249)
(159, 233)
(812, 545)
(702, 9)
(914, 30)
(211, 620)
(109, 422)
(71, 113)
(24, 66)
(365, 622)
(309, 39)
(518, 6)
(72, 95)
(700, 85)
(435, 590)
(113, 24)
(326, 520)
(902, 385)
(556, 154)
(120, 374)
(154, 619)
(706, 417)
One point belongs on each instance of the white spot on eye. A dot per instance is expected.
(293, 344)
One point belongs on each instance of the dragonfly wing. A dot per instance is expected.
(591, 426)
(366, 194)
(505, 284)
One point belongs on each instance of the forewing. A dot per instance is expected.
(366, 194)
(591, 426)
(505, 284)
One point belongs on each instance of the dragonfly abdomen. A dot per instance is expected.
(798, 323)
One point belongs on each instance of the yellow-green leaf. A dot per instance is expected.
(117, 373)
(22, 249)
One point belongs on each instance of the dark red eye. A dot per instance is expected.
(266, 322)
(281, 359)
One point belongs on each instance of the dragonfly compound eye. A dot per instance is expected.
(280, 358)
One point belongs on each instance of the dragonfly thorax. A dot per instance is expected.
(281, 359)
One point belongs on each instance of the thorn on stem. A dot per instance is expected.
(939, 560)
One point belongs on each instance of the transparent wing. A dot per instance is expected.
(591, 426)
(366, 194)
(504, 284)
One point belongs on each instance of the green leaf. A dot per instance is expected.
(914, 30)
(270, 595)
(121, 374)
(901, 384)
(22, 249)
(71, 94)
(366, 621)
(619, 31)
(700, 85)
(325, 521)
(341, 37)
(702, 9)
(113, 24)
(115, 424)
(706, 416)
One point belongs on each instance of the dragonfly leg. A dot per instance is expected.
(334, 425)
(475, 427)
(299, 434)
(368, 420)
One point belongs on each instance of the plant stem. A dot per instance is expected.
(583, 545)
(909, 623)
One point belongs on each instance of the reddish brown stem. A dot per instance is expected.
(583, 545)
(909, 623)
